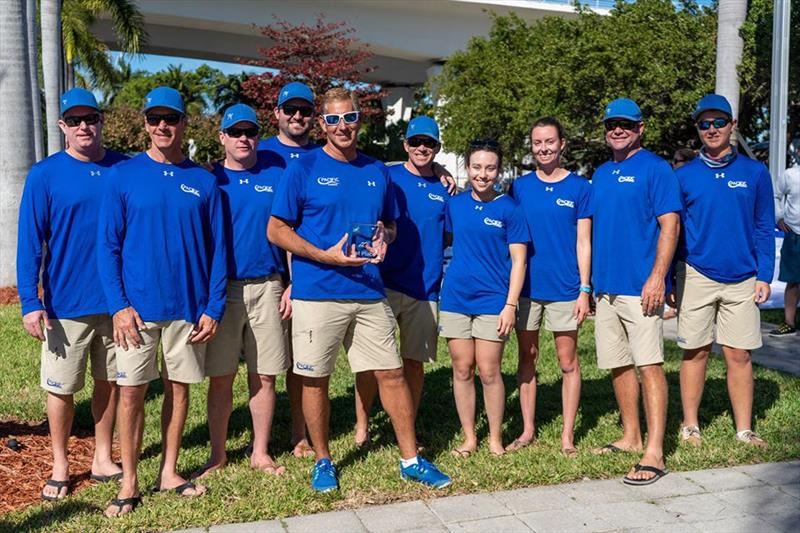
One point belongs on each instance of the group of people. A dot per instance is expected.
(258, 259)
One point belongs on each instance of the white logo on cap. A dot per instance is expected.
(565, 203)
(285, 93)
(190, 190)
(492, 222)
(263, 188)
(230, 115)
(64, 101)
(149, 100)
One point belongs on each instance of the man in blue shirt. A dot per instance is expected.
(59, 209)
(338, 298)
(162, 262)
(725, 266)
(635, 232)
(295, 115)
(257, 311)
(412, 270)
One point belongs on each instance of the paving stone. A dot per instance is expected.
(721, 479)
(673, 484)
(699, 508)
(335, 522)
(534, 499)
(193, 530)
(506, 524)
(773, 473)
(398, 517)
(468, 507)
(746, 524)
(634, 514)
(577, 519)
(786, 521)
(271, 526)
(605, 491)
(664, 528)
(765, 500)
(792, 489)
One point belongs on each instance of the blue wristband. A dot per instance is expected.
(587, 289)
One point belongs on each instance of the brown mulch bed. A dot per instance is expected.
(8, 295)
(24, 472)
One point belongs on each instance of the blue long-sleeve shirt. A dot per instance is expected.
(161, 241)
(59, 208)
(727, 220)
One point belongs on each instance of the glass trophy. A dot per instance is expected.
(365, 240)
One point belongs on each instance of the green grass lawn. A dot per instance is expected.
(776, 316)
(241, 495)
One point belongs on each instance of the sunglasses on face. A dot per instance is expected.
(427, 142)
(718, 123)
(484, 143)
(75, 120)
(304, 110)
(171, 119)
(332, 119)
(235, 133)
(628, 125)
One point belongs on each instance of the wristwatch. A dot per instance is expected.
(586, 288)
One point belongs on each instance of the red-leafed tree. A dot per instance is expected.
(321, 55)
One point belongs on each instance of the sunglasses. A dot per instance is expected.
(75, 120)
(170, 118)
(484, 143)
(427, 142)
(718, 123)
(332, 119)
(304, 110)
(235, 133)
(629, 125)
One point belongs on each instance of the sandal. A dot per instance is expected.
(106, 479)
(607, 449)
(645, 468)
(120, 503)
(518, 444)
(58, 485)
(181, 489)
(462, 454)
(570, 453)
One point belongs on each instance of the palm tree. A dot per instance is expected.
(33, 69)
(16, 148)
(730, 17)
(50, 13)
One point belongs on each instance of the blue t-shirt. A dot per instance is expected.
(413, 263)
(288, 153)
(60, 204)
(247, 197)
(628, 198)
(728, 219)
(476, 282)
(322, 197)
(552, 211)
(161, 241)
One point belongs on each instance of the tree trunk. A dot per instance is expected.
(730, 16)
(16, 149)
(51, 68)
(33, 70)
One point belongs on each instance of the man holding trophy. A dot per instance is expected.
(334, 211)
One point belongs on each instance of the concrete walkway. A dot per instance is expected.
(761, 498)
(779, 353)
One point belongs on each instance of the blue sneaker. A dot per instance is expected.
(323, 477)
(426, 473)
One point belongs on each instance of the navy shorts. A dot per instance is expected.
(790, 258)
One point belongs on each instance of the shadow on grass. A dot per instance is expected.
(51, 516)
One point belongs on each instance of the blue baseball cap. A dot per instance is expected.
(295, 89)
(623, 108)
(715, 102)
(423, 125)
(239, 113)
(77, 97)
(164, 97)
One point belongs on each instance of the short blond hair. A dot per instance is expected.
(339, 94)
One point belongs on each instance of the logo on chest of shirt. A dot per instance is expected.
(422, 184)
(294, 156)
(492, 222)
(436, 197)
(548, 189)
(615, 172)
(263, 188)
(169, 172)
(245, 181)
(737, 184)
(627, 179)
(94, 172)
(478, 208)
(565, 203)
(329, 182)
(371, 183)
(719, 175)
(190, 190)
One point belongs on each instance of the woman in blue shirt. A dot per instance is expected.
(480, 290)
(558, 209)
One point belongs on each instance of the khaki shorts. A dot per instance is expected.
(558, 316)
(67, 347)
(624, 336)
(251, 325)
(703, 301)
(365, 327)
(417, 322)
(183, 362)
(461, 326)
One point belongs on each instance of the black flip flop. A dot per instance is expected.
(59, 485)
(119, 503)
(607, 449)
(180, 489)
(645, 468)
(106, 479)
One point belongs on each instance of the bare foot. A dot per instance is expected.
(361, 438)
(466, 449)
(497, 449)
(618, 446)
(126, 501)
(266, 464)
(302, 449)
(519, 443)
(105, 469)
(211, 466)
